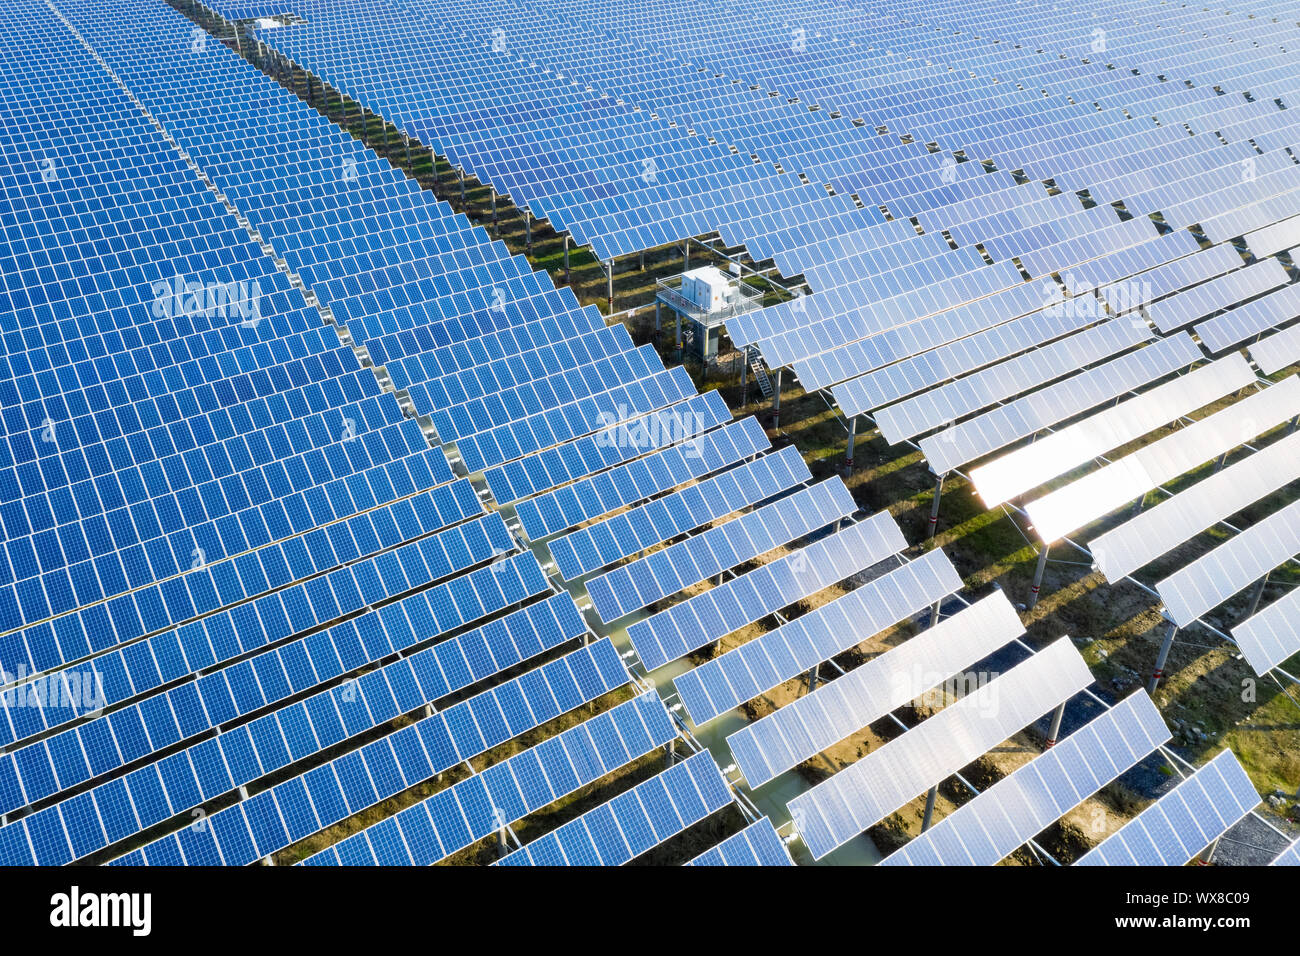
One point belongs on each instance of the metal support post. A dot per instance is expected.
(934, 508)
(1162, 657)
(1038, 574)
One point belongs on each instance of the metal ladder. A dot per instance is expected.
(755, 360)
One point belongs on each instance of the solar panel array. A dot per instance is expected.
(627, 826)
(618, 593)
(1028, 800)
(228, 512)
(211, 506)
(802, 729)
(1214, 577)
(640, 133)
(863, 794)
(1183, 822)
(790, 650)
(706, 617)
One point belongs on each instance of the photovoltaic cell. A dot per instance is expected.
(1278, 351)
(1288, 857)
(969, 440)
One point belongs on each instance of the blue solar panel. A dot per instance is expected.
(625, 827)
(1183, 822)
(642, 478)
(181, 712)
(769, 660)
(627, 533)
(756, 845)
(461, 815)
(393, 763)
(618, 593)
(208, 769)
(671, 634)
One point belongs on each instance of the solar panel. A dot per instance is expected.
(969, 440)
(1288, 857)
(1271, 636)
(252, 829)
(770, 659)
(242, 753)
(1274, 238)
(1183, 822)
(1026, 468)
(187, 435)
(228, 693)
(756, 845)
(804, 728)
(958, 399)
(867, 392)
(1169, 277)
(641, 478)
(1101, 492)
(704, 618)
(619, 592)
(1027, 801)
(1241, 560)
(627, 533)
(1158, 530)
(556, 425)
(1277, 351)
(620, 830)
(465, 812)
(863, 794)
(1249, 320)
(612, 445)
(1202, 300)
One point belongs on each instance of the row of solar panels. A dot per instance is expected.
(585, 832)
(301, 614)
(941, 336)
(475, 807)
